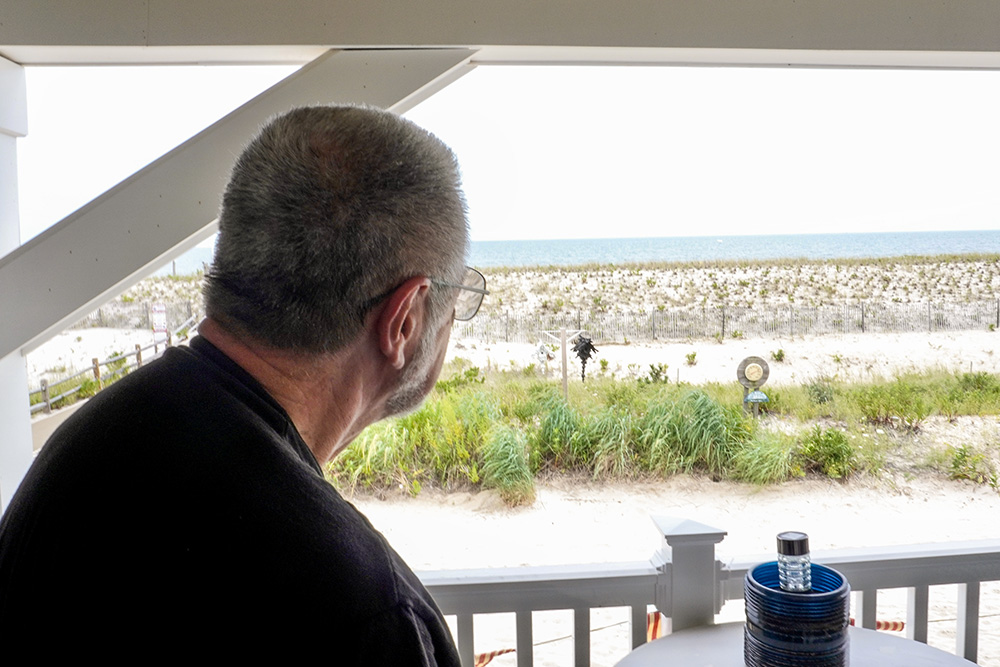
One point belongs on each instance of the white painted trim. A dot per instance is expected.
(15, 425)
(730, 57)
(499, 54)
(13, 100)
(68, 31)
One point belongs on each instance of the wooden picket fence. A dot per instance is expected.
(737, 322)
(102, 372)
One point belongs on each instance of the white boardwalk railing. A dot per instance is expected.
(686, 583)
(524, 590)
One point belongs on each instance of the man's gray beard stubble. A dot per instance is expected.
(412, 385)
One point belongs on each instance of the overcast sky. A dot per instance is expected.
(580, 152)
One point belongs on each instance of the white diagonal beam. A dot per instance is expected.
(171, 205)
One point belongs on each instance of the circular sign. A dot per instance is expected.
(752, 372)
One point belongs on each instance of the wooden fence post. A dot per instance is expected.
(565, 370)
(97, 371)
(169, 340)
(723, 321)
(928, 317)
(45, 395)
(138, 355)
(862, 317)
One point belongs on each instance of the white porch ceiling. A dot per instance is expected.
(950, 33)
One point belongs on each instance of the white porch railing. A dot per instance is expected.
(688, 585)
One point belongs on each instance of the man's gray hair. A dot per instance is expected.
(327, 211)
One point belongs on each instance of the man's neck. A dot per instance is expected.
(329, 397)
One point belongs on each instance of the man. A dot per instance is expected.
(186, 504)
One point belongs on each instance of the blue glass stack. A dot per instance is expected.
(787, 629)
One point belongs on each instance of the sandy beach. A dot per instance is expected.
(764, 286)
(845, 357)
(577, 520)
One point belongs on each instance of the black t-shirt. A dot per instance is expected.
(181, 508)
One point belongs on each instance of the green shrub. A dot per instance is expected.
(622, 394)
(460, 379)
(980, 381)
(657, 375)
(828, 451)
(778, 355)
(820, 390)
(967, 463)
(901, 403)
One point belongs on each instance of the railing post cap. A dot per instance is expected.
(677, 531)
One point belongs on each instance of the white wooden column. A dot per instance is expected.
(691, 594)
(15, 420)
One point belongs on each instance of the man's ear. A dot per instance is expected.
(401, 319)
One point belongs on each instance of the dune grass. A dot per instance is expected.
(901, 260)
(501, 431)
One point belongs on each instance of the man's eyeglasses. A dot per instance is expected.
(471, 297)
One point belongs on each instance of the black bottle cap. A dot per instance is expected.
(793, 543)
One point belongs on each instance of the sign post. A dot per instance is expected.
(752, 374)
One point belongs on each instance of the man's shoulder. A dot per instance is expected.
(180, 398)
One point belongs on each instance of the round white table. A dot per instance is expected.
(722, 646)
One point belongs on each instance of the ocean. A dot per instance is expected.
(569, 252)
(713, 248)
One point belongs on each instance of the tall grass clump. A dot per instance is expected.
(561, 439)
(695, 431)
(440, 442)
(381, 457)
(505, 466)
(767, 459)
(455, 425)
(523, 401)
(613, 436)
(658, 436)
(709, 433)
